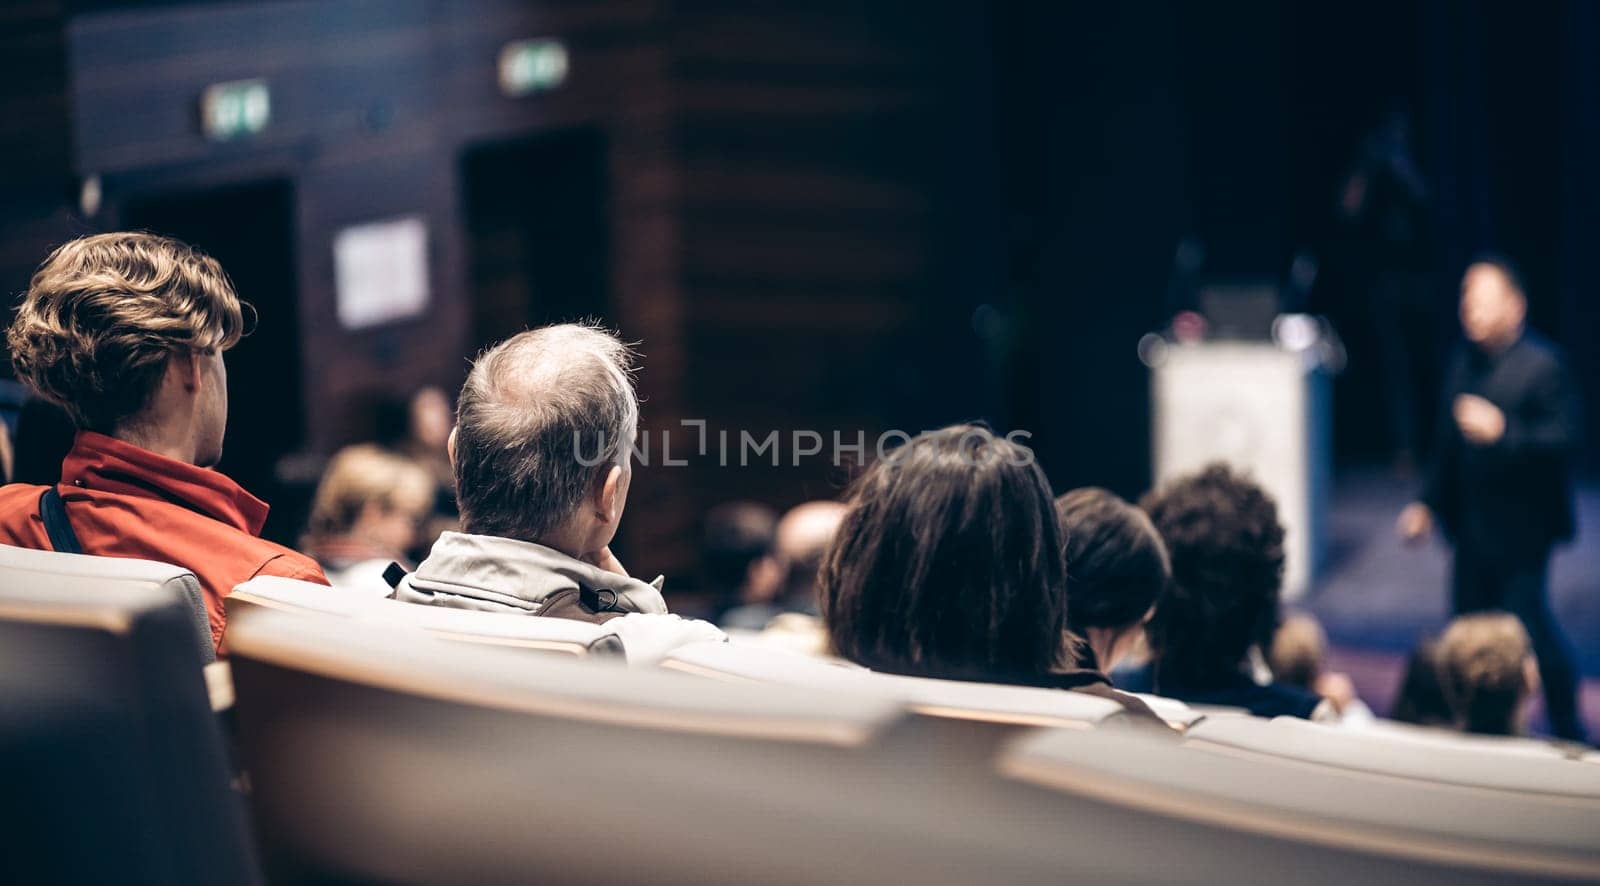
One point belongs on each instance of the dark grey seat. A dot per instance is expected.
(25, 566)
(112, 765)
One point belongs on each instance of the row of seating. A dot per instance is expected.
(386, 742)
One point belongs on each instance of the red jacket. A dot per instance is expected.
(123, 501)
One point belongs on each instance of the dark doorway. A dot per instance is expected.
(537, 231)
(249, 229)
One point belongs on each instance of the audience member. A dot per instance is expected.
(541, 450)
(418, 427)
(737, 558)
(1221, 607)
(1487, 672)
(1116, 568)
(126, 331)
(365, 515)
(1299, 658)
(1421, 700)
(803, 536)
(949, 564)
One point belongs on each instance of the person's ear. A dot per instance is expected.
(450, 447)
(188, 364)
(613, 492)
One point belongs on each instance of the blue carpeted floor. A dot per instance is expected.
(1373, 593)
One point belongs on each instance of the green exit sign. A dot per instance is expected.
(529, 66)
(235, 109)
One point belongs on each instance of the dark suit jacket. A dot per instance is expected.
(1512, 497)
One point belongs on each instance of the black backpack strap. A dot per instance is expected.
(54, 512)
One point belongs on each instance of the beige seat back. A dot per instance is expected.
(550, 635)
(1441, 758)
(983, 702)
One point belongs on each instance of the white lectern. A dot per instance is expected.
(1263, 410)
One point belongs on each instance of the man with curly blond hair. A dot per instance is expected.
(126, 331)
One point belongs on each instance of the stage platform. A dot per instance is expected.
(1375, 596)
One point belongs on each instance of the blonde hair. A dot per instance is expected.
(1298, 650)
(1482, 660)
(361, 475)
(103, 314)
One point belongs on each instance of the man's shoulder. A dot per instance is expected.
(1539, 352)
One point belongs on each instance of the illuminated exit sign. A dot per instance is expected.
(530, 66)
(235, 109)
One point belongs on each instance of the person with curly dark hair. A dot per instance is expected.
(949, 564)
(1226, 546)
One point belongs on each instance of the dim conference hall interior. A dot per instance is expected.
(698, 441)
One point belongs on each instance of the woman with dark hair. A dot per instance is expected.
(949, 564)
(1116, 568)
(1221, 608)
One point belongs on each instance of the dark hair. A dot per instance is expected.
(737, 534)
(1505, 266)
(1116, 563)
(1226, 545)
(949, 563)
(1421, 699)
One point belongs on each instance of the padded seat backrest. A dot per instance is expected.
(112, 764)
(1444, 759)
(552, 635)
(1490, 832)
(381, 753)
(988, 702)
(27, 567)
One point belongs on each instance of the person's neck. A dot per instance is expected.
(1497, 346)
(161, 441)
(1103, 643)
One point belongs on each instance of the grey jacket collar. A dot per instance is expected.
(520, 574)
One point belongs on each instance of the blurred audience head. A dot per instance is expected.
(948, 562)
(7, 459)
(1299, 651)
(803, 537)
(1493, 303)
(1486, 670)
(1226, 545)
(737, 549)
(1116, 568)
(126, 332)
(1421, 700)
(429, 418)
(544, 432)
(372, 497)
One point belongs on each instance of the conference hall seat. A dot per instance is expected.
(1498, 744)
(384, 755)
(1443, 758)
(950, 699)
(560, 636)
(1441, 832)
(113, 768)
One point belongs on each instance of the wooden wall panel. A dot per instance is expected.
(808, 222)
